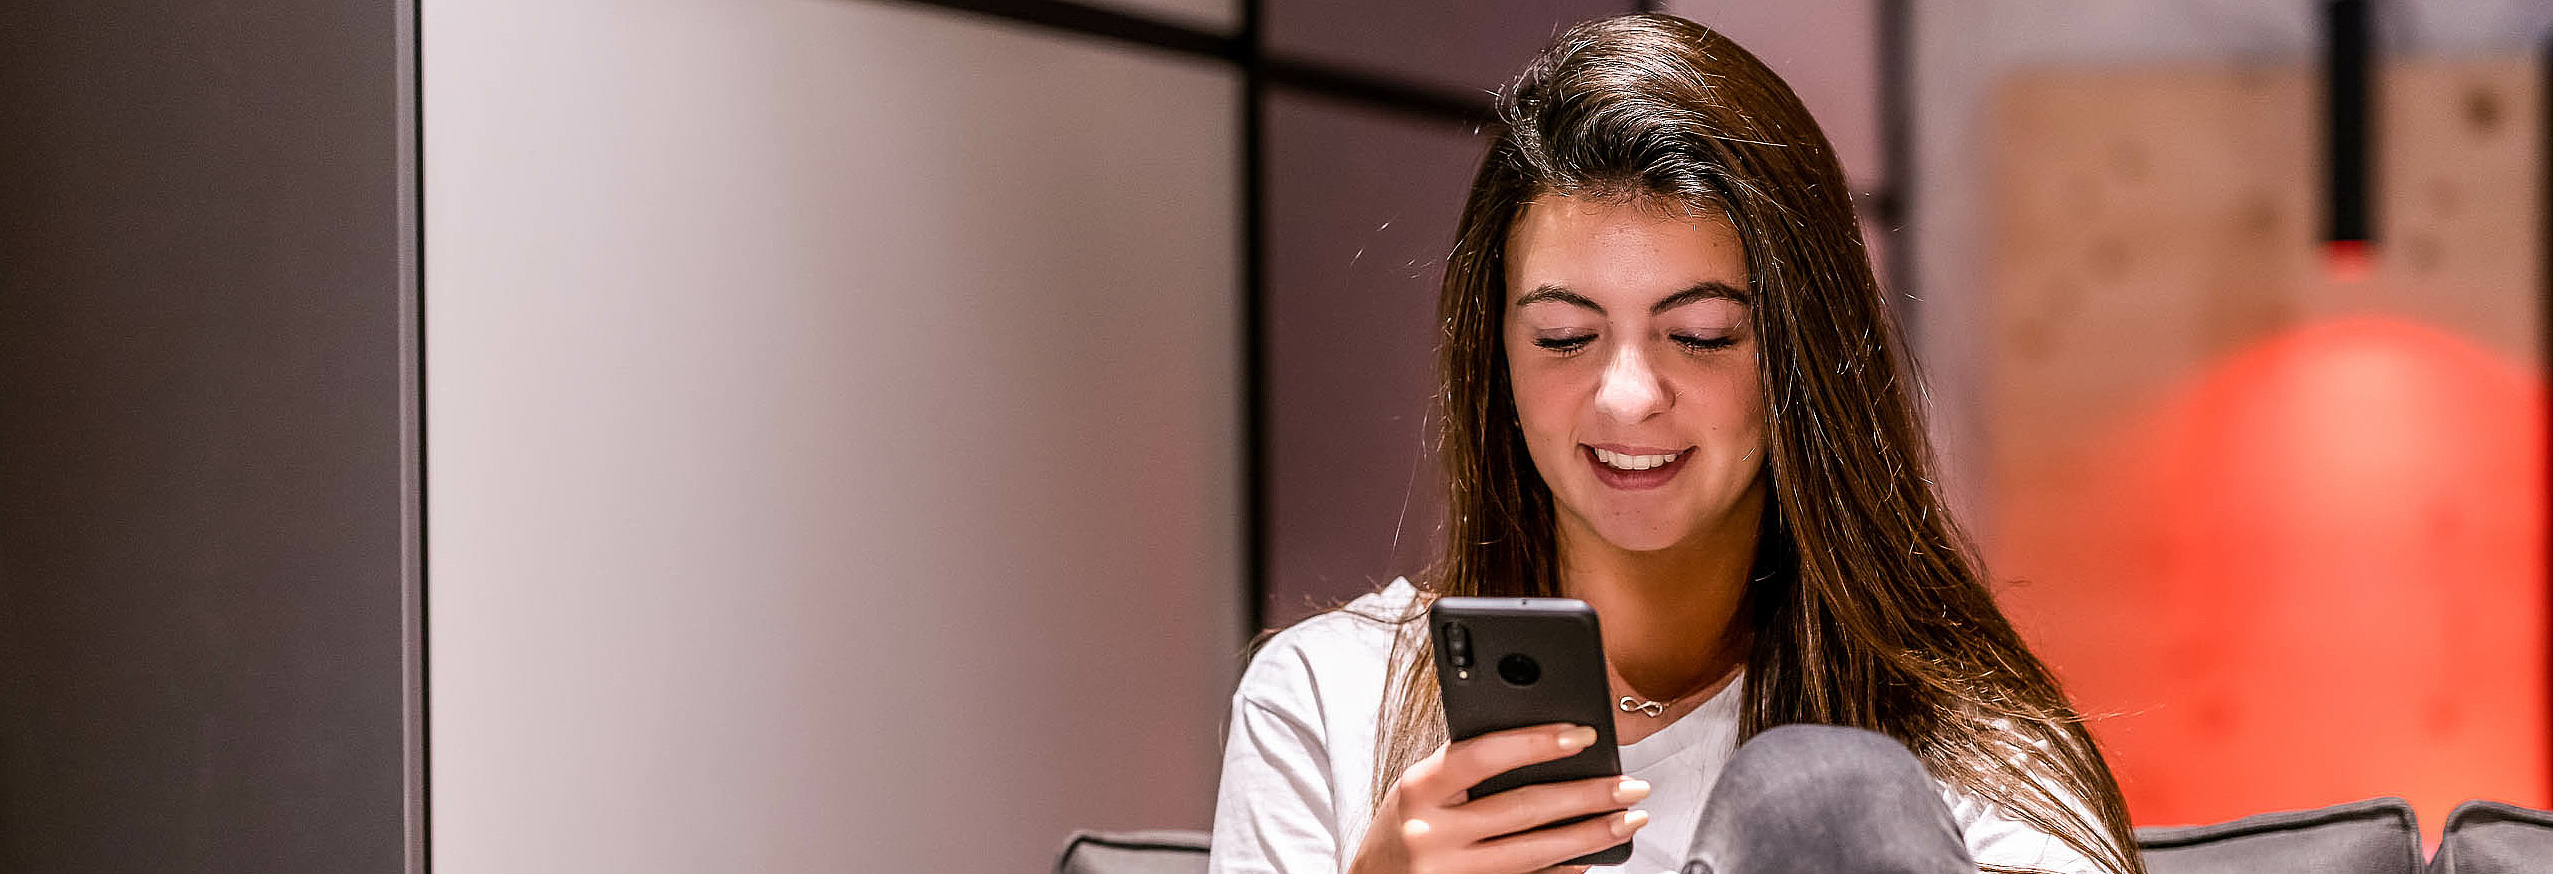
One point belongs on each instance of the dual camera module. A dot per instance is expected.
(1516, 668)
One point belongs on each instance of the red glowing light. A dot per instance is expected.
(2326, 582)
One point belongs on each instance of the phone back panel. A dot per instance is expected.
(1560, 639)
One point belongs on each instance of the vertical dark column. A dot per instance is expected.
(415, 765)
(2347, 108)
(1897, 158)
(1255, 415)
(206, 446)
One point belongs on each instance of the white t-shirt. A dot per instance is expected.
(1298, 766)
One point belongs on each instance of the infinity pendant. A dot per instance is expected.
(1650, 709)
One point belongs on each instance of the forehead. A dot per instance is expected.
(1617, 247)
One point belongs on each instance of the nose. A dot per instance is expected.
(1631, 391)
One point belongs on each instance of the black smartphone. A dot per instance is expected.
(1506, 663)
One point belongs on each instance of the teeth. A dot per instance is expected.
(1619, 461)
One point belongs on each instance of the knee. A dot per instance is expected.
(1815, 798)
(1825, 768)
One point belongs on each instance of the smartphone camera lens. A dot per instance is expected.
(1458, 644)
(1519, 669)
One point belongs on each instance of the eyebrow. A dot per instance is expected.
(1712, 290)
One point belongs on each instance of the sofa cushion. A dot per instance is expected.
(2376, 836)
(1135, 852)
(2488, 837)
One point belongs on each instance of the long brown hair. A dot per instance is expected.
(1867, 607)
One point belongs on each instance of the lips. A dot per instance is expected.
(1634, 468)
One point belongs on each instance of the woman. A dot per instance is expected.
(1672, 390)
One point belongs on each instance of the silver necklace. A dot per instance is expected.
(1651, 709)
(1654, 709)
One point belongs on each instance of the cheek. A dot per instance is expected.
(1735, 405)
(1548, 429)
(1533, 412)
(1750, 403)
(1524, 381)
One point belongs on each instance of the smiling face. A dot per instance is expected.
(1633, 358)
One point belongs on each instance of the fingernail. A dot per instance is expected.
(1577, 738)
(1630, 821)
(1630, 790)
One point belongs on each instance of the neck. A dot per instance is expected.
(1670, 616)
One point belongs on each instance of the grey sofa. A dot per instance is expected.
(2376, 836)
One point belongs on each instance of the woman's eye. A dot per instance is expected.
(1703, 344)
(1565, 342)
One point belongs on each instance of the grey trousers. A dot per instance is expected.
(1827, 800)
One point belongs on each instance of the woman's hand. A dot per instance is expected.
(1426, 825)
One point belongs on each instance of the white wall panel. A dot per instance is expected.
(832, 436)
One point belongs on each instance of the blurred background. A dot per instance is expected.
(799, 435)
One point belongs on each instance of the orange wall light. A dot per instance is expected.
(2345, 530)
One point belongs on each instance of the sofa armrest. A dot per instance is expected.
(2376, 836)
(1134, 852)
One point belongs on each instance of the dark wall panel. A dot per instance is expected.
(200, 458)
(1361, 210)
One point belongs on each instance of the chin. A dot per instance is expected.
(1638, 538)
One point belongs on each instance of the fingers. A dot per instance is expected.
(1538, 850)
(1527, 807)
(1459, 766)
(1512, 831)
(1542, 848)
(1442, 831)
